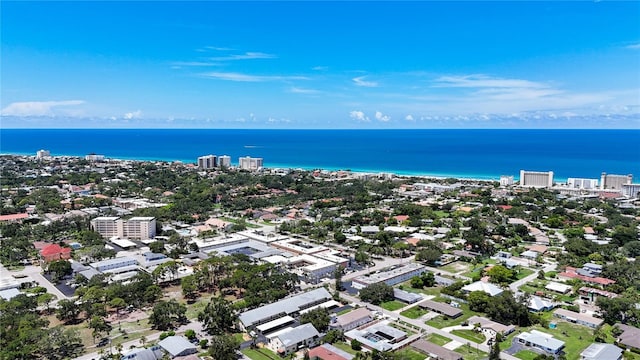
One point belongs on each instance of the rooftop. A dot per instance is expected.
(597, 351)
(541, 339)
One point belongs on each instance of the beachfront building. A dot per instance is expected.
(224, 161)
(393, 276)
(288, 306)
(631, 190)
(142, 227)
(250, 163)
(207, 162)
(94, 157)
(42, 154)
(580, 183)
(506, 180)
(541, 341)
(614, 182)
(536, 178)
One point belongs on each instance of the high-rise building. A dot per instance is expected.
(631, 190)
(207, 162)
(143, 228)
(94, 157)
(579, 183)
(224, 161)
(536, 178)
(614, 182)
(249, 163)
(506, 180)
(41, 154)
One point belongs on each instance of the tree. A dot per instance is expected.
(361, 257)
(416, 282)
(157, 247)
(223, 347)
(318, 317)
(377, 293)
(495, 351)
(428, 279)
(167, 314)
(429, 255)
(333, 336)
(478, 300)
(338, 278)
(67, 311)
(59, 269)
(218, 317)
(61, 343)
(99, 325)
(190, 334)
(46, 299)
(339, 237)
(500, 275)
(189, 287)
(356, 345)
(118, 304)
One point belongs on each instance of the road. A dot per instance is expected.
(516, 284)
(35, 273)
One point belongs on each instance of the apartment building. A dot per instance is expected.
(536, 178)
(249, 163)
(614, 182)
(142, 228)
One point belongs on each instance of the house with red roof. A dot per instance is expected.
(55, 252)
(580, 274)
(14, 217)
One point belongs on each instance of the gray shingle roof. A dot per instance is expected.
(298, 334)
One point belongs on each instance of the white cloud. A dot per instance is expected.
(40, 108)
(299, 90)
(246, 56)
(358, 115)
(178, 64)
(484, 81)
(633, 46)
(232, 76)
(382, 117)
(360, 81)
(320, 68)
(409, 117)
(133, 115)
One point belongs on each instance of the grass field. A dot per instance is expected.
(408, 354)
(440, 322)
(342, 312)
(435, 291)
(474, 336)
(469, 352)
(260, 354)
(456, 267)
(526, 355)
(414, 312)
(392, 305)
(523, 273)
(437, 339)
(345, 347)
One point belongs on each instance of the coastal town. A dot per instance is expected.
(122, 259)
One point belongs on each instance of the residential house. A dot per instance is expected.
(487, 287)
(541, 341)
(630, 337)
(441, 308)
(490, 328)
(590, 295)
(599, 351)
(537, 304)
(405, 296)
(176, 346)
(328, 352)
(434, 351)
(578, 318)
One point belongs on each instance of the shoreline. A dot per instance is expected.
(396, 173)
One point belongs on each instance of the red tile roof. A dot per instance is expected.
(572, 273)
(54, 249)
(13, 217)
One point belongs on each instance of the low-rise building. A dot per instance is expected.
(352, 319)
(630, 337)
(538, 304)
(379, 336)
(290, 340)
(578, 318)
(590, 294)
(405, 296)
(541, 341)
(490, 328)
(116, 265)
(391, 277)
(55, 252)
(328, 352)
(441, 308)
(558, 287)
(486, 287)
(176, 346)
(600, 351)
(434, 351)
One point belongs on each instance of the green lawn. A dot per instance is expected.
(469, 352)
(526, 355)
(437, 339)
(435, 291)
(440, 322)
(577, 337)
(474, 336)
(344, 346)
(523, 273)
(260, 354)
(456, 267)
(414, 312)
(342, 312)
(392, 305)
(408, 354)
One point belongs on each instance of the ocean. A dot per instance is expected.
(477, 154)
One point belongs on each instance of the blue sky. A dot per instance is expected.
(209, 64)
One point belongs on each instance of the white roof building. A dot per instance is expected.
(487, 287)
(292, 339)
(540, 340)
(177, 346)
(598, 351)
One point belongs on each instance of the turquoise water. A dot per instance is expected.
(484, 154)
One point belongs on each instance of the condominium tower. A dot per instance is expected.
(614, 182)
(536, 178)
